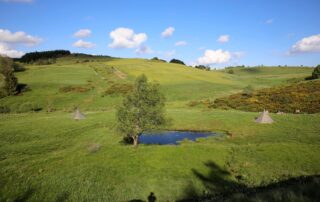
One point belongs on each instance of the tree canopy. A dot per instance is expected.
(141, 110)
(10, 81)
(316, 72)
(177, 61)
(34, 56)
(207, 68)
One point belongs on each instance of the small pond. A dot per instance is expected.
(172, 137)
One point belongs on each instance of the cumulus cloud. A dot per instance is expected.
(18, 38)
(126, 38)
(5, 50)
(143, 50)
(17, 1)
(83, 44)
(180, 43)
(214, 57)
(223, 38)
(167, 32)
(82, 33)
(269, 21)
(307, 45)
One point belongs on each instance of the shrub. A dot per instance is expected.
(10, 81)
(230, 71)
(176, 61)
(304, 96)
(157, 59)
(28, 107)
(77, 89)
(248, 91)
(119, 89)
(316, 72)
(4, 109)
(17, 67)
(203, 67)
(45, 61)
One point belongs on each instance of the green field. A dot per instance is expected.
(47, 156)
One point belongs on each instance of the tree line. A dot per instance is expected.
(34, 56)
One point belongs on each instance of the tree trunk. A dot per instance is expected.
(135, 140)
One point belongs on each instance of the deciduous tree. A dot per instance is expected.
(141, 110)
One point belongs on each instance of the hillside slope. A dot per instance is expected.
(302, 96)
(83, 81)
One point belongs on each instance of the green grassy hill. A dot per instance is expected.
(180, 84)
(48, 156)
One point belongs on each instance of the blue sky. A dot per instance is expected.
(250, 32)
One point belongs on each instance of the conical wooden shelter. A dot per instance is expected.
(78, 115)
(264, 118)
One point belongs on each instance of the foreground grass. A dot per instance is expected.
(51, 157)
(47, 156)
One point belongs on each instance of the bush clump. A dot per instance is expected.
(157, 59)
(315, 73)
(76, 89)
(4, 109)
(303, 96)
(207, 68)
(176, 61)
(119, 89)
(10, 81)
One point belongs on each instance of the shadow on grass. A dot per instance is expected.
(219, 187)
(151, 198)
(25, 196)
(62, 196)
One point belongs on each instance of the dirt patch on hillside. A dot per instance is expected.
(119, 74)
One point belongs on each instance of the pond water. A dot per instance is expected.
(171, 137)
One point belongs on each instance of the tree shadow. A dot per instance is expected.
(22, 87)
(62, 196)
(219, 186)
(151, 198)
(26, 195)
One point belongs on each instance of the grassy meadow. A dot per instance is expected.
(48, 156)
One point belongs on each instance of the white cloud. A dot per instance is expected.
(214, 57)
(167, 32)
(143, 50)
(307, 44)
(126, 38)
(82, 33)
(83, 44)
(18, 37)
(180, 43)
(17, 1)
(269, 21)
(223, 38)
(8, 52)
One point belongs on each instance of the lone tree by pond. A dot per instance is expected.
(141, 110)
